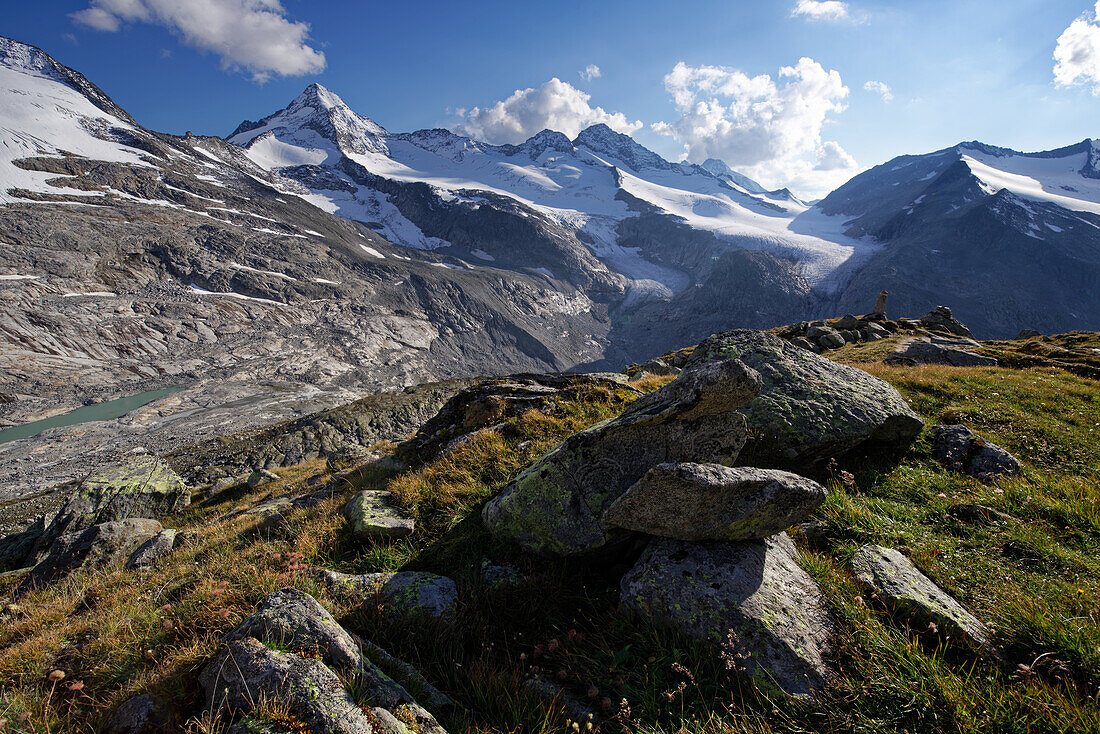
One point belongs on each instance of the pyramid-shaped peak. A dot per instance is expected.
(318, 95)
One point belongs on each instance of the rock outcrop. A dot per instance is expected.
(963, 451)
(305, 674)
(157, 547)
(99, 546)
(714, 502)
(910, 594)
(556, 506)
(751, 594)
(810, 409)
(145, 488)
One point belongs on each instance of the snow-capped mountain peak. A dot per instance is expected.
(723, 172)
(317, 118)
(603, 141)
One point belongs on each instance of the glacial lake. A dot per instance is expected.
(105, 411)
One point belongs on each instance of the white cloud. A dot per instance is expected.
(1077, 54)
(556, 105)
(591, 72)
(253, 35)
(769, 129)
(830, 10)
(880, 88)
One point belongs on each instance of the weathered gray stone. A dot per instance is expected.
(556, 505)
(406, 593)
(940, 319)
(295, 621)
(153, 550)
(659, 367)
(927, 351)
(963, 451)
(371, 514)
(752, 589)
(499, 578)
(825, 336)
(714, 502)
(811, 409)
(244, 672)
(138, 715)
(848, 322)
(145, 487)
(909, 593)
(96, 547)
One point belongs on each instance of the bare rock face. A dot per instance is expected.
(714, 502)
(811, 409)
(556, 506)
(99, 546)
(909, 593)
(750, 593)
(138, 715)
(293, 620)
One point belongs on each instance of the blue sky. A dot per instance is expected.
(686, 79)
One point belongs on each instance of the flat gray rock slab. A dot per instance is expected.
(405, 592)
(372, 514)
(911, 594)
(556, 506)
(811, 409)
(752, 589)
(944, 352)
(713, 502)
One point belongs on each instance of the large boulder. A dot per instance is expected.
(556, 506)
(751, 594)
(909, 593)
(963, 451)
(145, 487)
(714, 502)
(99, 546)
(404, 593)
(810, 409)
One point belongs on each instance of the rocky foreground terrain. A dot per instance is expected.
(763, 532)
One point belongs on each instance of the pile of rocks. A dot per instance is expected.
(716, 563)
(822, 335)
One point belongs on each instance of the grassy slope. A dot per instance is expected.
(1036, 579)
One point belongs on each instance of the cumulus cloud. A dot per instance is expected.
(829, 10)
(556, 105)
(591, 72)
(253, 35)
(769, 129)
(880, 88)
(1077, 54)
